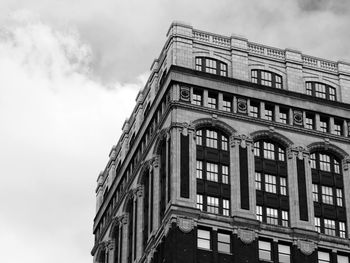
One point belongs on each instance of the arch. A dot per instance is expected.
(160, 137)
(114, 227)
(100, 254)
(129, 196)
(214, 123)
(144, 168)
(216, 56)
(272, 135)
(328, 147)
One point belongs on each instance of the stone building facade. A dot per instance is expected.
(235, 152)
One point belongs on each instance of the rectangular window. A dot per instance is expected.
(259, 214)
(329, 227)
(309, 88)
(313, 161)
(283, 186)
(339, 193)
(224, 174)
(212, 101)
(199, 170)
(283, 253)
(213, 205)
(199, 137)
(281, 155)
(271, 216)
(325, 162)
(269, 110)
(226, 207)
(331, 94)
(320, 90)
(315, 192)
(256, 149)
(224, 243)
(269, 151)
(342, 230)
(317, 222)
(254, 76)
(270, 183)
(264, 250)
(338, 128)
(210, 66)
(327, 195)
(257, 181)
(284, 115)
(224, 143)
(203, 238)
(223, 69)
(324, 124)
(323, 257)
(285, 218)
(212, 139)
(199, 64)
(336, 166)
(278, 82)
(309, 121)
(227, 104)
(254, 109)
(266, 78)
(200, 202)
(342, 259)
(197, 97)
(212, 172)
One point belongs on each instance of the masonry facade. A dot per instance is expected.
(235, 152)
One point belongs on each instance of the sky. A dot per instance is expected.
(69, 75)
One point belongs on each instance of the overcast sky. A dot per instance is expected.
(69, 75)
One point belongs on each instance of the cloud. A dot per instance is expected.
(58, 124)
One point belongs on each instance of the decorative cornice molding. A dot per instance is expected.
(247, 236)
(299, 151)
(213, 122)
(186, 225)
(273, 135)
(328, 146)
(306, 247)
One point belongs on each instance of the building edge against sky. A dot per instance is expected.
(235, 152)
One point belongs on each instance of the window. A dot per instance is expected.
(329, 227)
(264, 250)
(323, 257)
(199, 170)
(309, 121)
(342, 230)
(324, 124)
(203, 238)
(212, 172)
(313, 161)
(270, 183)
(259, 214)
(342, 259)
(285, 218)
(224, 143)
(224, 243)
(281, 155)
(283, 253)
(213, 205)
(227, 104)
(254, 109)
(224, 175)
(197, 97)
(258, 181)
(325, 163)
(317, 221)
(269, 112)
(315, 192)
(284, 115)
(212, 101)
(283, 186)
(212, 66)
(327, 195)
(226, 207)
(339, 194)
(271, 216)
(269, 151)
(212, 139)
(200, 202)
(256, 149)
(266, 78)
(338, 127)
(320, 90)
(199, 137)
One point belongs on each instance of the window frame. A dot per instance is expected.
(211, 66)
(267, 78)
(314, 88)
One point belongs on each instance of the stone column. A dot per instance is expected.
(220, 101)
(156, 193)
(277, 113)
(111, 251)
(124, 239)
(262, 110)
(139, 226)
(346, 179)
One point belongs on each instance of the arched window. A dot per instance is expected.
(328, 194)
(267, 78)
(211, 65)
(271, 183)
(320, 90)
(213, 171)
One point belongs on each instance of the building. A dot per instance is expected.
(235, 152)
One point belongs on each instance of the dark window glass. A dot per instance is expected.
(211, 65)
(266, 78)
(320, 90)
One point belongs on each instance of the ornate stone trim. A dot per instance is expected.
(306, 247)
(326, 145)
(242, 140)
(213, 122)
(299, 151)
(273, 135)
(246, 236)
(186, 225)
(346, 163)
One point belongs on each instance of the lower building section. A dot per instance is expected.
(184, 242)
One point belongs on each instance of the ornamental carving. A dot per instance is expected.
(185, 224)
(184, 93)
(306, 247)
(242, 140)
(299, 151)
(246, 236)
(242, 106)
(345, 163)
(298, 118)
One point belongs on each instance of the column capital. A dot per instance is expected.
(346, 163)
(298, 151)
(138, 192)
(240, 140)
(155, 161)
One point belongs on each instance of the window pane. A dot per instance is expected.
(212, 172)
(203, 239)
(342, 259)
(283, 253)
(264, 250)
(212, 139)
(323, 257)
(269, 151)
